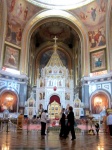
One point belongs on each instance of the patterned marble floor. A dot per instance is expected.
(32, 140)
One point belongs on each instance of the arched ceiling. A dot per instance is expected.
(43, 40)
(47, 31)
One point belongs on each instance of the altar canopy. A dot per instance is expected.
(55, 83)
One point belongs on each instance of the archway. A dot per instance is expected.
(38, 19)
(99, 102)
(54, 107)
(8, 100)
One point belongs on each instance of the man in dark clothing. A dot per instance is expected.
(97, 128)
(71, 121)
(62, 122)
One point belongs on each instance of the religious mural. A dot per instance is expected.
(11, 57)
(19, 12)
(67, 96)
(8, 101)
(97, 36)
(0, 21)
(110, 24)
(93, 17)
(98, 60)
(55, 28)
(99, 103)
(46, 56)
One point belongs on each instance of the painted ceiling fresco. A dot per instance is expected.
(19, 12)
(47, 55)
(52, 29)
(93, 17)
(0, 21)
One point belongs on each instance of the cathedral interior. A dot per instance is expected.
(55, 54)
(52, 52)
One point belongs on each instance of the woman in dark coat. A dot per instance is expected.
(62, 122)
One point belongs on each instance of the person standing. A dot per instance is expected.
(12, 5)
(97, 128)
(25, 13)
(62, 122)
(18, 36)
(105, 127)
(40, 110)
(43, 122)
(19, 10)
(71, 122)
(109, 123)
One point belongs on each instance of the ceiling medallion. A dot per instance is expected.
(57, 4)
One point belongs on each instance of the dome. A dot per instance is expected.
(63, 4)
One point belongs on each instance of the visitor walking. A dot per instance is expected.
(43, 122)
(97, 127)
(71, 122)
(109, 122)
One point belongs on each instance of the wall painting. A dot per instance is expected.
(11, 57)
(98, 60)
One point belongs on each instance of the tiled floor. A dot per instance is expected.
(32, 140)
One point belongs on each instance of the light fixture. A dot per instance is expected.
(98, 100)
(9, 97)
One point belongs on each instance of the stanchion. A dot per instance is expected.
(0, 124)
(27, 125)
(7, 121)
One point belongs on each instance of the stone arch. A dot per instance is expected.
(99, 101)
(78, 26)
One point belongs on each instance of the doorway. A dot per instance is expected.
(54, 108)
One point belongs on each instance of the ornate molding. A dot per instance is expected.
(57, 4)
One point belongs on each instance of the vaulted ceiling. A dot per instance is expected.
(47, 31)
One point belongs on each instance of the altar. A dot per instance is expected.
(54, 85)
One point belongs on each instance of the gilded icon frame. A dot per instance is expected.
(98, 60)
(11, 57)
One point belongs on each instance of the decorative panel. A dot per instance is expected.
(3, 84)
(107, 87)
(92, 88)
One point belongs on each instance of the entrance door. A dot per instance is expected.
(54, 110)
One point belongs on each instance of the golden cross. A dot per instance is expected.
(55, 39)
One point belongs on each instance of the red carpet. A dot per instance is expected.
(38, 127)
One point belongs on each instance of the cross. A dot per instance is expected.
(55, 38)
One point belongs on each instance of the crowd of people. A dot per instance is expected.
(67, 121)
